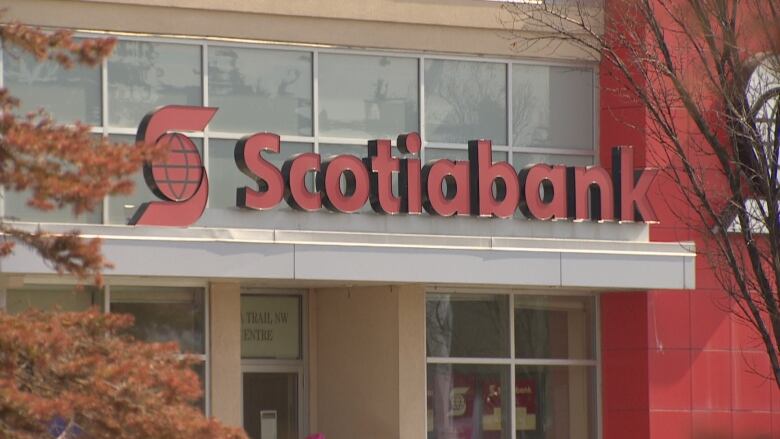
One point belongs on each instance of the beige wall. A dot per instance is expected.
(370, 362)
(225, 352)
(446, 26)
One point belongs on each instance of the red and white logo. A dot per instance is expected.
(179, 179)
(475, 187)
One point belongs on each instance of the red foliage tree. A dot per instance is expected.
(73, 375)
(70, 375)
(62, 166)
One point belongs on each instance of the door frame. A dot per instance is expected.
(299, 366)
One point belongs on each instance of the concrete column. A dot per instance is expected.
(225, 354)
(370, 362)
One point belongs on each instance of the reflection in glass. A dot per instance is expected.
(524, 159)
(270, 399)
(261, 90)
(225, 177)
(367, 96)
(122, 207)
(457, 154)
(68, 95)
(17, 209)
(464, 401)
(465, 100)
(552, 107)
(554, 327)
(164, 314)
(143, 76)
(461, 325)
(51, 297)
(200, 370)
(554, 402)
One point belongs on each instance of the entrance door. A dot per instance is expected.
(272, 363)
(271, 404)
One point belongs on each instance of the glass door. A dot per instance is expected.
(272, 364)
(271, 404)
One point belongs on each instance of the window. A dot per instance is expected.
(162, 313)
(367, 96)
(52, 297)
(319, 100)
(465, 100)
(479, 346)
(261, 90)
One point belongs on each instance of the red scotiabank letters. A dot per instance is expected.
(344, 183)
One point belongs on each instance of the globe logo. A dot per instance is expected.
(179, 175)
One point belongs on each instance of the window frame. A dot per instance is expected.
(511, 361)
(205, 42)
(140, 282)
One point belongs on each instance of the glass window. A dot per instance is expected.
(261, 90)
(367, 96)
(552, 107)
(457, 154)
(465, 100)
(16, 208)
(164, 314)
(51, 297)
(554, 327)
(555, 402)
(462, 325)
(522, 159)
(271, 327)
(122, 207)
(464, 401)
(467, 391)
(68, 95)
(225, 177)
(144, 75)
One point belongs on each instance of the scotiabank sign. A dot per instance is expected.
(476, 186)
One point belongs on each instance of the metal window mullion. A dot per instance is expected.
(315, 99)
(104, 122)
(421, 107)
(509, 125)
(512, 378)
(107, 298)
(204, 78)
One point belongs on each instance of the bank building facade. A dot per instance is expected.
(378, 220)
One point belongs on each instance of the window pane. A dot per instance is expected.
(16, 208)
(143, 76)
(50, 297)
(524, 159)
(555, 402)
(200, 370)
(69, 95)
(457, 154)
(465, 100)
(122, 207)
(261, 90)
(271, 327)
(464, 401)
(461, 325)
(225, 177)
(554, 327)
(164, 314)
(367, 96)
(552, 107)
